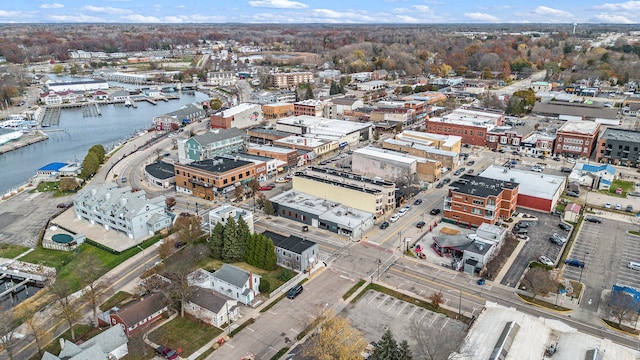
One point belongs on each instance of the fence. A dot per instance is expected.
(294, 279)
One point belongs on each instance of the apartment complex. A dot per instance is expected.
(472, 124)
(215, 142)
(372, 195)
(473, 200)
(120, 209)
(577, 138)
(209, 178)
(287, 80)
(619, 147)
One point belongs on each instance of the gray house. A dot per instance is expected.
(215, 142)
(120, 209)
(109, 344)
(236, 283)
(294, 252)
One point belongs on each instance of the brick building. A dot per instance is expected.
(286, 155)
(210, 178)
(472, 124)
(577, 138)
(473, 200)
(287, 80)
(308, 107)
(277, 110)
(504, 139)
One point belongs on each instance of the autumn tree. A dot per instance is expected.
(437, 299)
(623, 307)
(68, 184)
(238, 192)
(167, 248)
(35, 325)
(187, 228)
(268, 209)
(260, 199)
(334, 338)
(67, 306)
(215, 104)
(170, 202)
(538, 281)
(8, 331)
(253, 185)
(58, 69)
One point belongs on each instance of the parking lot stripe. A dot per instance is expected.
(382, 302)
(405, 305)
(415, 308)
(432, 320)
(392, 305)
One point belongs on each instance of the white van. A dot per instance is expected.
(633, 265)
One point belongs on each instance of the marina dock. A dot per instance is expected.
(25, 140)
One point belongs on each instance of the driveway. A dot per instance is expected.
(278, 327)
(538, 244)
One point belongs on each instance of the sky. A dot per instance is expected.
(319, 11)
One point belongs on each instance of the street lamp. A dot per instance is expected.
(400, 244)
(144, 259)
(584, 264)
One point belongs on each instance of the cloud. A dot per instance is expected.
(106, 9)
(608, 18)
(141, 19)
(76, 18)
(625, 6)
(51, 6)
(482, 17)
(278, 4)
(342, 15)
(547, 11)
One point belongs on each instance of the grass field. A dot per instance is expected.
(172, 334)
(9, 251)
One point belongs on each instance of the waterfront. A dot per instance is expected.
(72, 138)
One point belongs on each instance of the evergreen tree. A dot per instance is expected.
(250, 252)
(404, 353)
(261, 245)
(387, 348)
(242, 229)
(268, 208)
(217, 241)
(99, 151)
(229, 249)
(270, 258)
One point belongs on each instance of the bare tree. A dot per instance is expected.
(435, 342)
(35, 325)
(8, 334)
(538, 281)
(92, 269)
(622, 306)
(437, 299)
(188, 228)
(180, 289)
(68, 307)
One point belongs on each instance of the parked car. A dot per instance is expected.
(265, 188)
(435, 211)
(439, 185)
(559, 237)
(522, 225)
(607, 205)
(520, 231)
(480, 281)
(169, 353)
(446, 181)
(545, 260)
(402, 211)
(394, 218)
(470, 163)
(470, 171)
(384, 225)
(564, 226)
(566, 170)
(629, 208)
(572, 194)
(618, 207)
(64, 205)
(294, 291)
(420, 224)
(593, 219)
(537, 169)
(571, 161)
(281, 180)
(574, 262)
(417, 202)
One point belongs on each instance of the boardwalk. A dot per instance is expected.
(51, 116)
(90, 110)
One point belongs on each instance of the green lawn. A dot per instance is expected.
(172, 334)
(117, 299)
(9, 251)
(211, 264)
(52, 186)
(626, 186)
(66, 263)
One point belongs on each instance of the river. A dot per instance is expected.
(116, 124)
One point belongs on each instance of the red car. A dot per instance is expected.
(265, 188)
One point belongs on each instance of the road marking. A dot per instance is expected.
(415, 308)
(251, 329)
(392, 305)
(382, 302)
(405, 305)
(272, 313)
(229, 345)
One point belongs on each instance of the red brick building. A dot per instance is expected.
(472, 124)
(504, 139)
(577, 138)
(473, 200)
(209, 178)
(308, 107)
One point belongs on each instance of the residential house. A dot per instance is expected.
(294, 252)
(215, 142)
(110, 344)
(136, 316)
(211, 307)
(594, 176)
(223, 213)
(236, 283)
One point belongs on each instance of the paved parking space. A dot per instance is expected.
(395, 315)
(538, 244)
(605, 248)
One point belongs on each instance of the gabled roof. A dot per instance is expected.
(291, 243)
(599, 167)
(134, 312)
(232, 275)
(209, 299)
(218, 135)
(95, 348)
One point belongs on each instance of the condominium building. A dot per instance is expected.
(215, 142)
(577, 138)
(120, 209)
(287, 80)
(473, 200)
(619, 147)
(210, 178)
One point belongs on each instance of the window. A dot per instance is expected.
(247, 173)
(240, 176)
(478, 202)
(233, 178)
(476, 211)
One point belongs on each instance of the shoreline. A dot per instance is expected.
(25, 140)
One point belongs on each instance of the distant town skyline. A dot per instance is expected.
(319, 11)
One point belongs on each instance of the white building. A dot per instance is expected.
(88, 85)
(387, 164)
(222, 78)
(372, 85)
(223, 213)
(347, 132)
(120, 209)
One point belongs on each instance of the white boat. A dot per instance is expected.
(7, 135)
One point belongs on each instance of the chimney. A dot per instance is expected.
(250, 281)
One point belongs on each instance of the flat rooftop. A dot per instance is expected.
(580, 127)
(219, 165)
(531, 183)
(425, 137)
(238, 109)
(621, 135)
(390, 155)
(481, 186)
(425, 148)
(302, 141)
(324, 209)
(275, 149)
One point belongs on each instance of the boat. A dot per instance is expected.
(7, 134)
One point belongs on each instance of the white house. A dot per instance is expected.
(596, 176)
(212, 308)
(236, 283)
(221, 214)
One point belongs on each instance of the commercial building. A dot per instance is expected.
(294, 252)
(287, 80)
(120, 209)
(277, 110)
(265, 135)
(537, 191)
(473, 200)
(266, 167)
(619, 147)
(215, 142)
(317, 147)
(223, 213)
(372, 85)
(323, 213)
(538, 144)
(577, 138)
(186, 114)
(443, 142)
(396, 115)
(272, 97)
(372, 195)
(88, 85)
(472, 124)
(396, 166)
(577, 111)
(242, 116)
(448, 159)
(342, 131)
(287, 155)
(346, 106)
(309, 107)
(214, 177)
(160, 174)
(504, 139)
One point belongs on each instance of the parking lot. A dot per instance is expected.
(605, 248)
(397, 315)
(539, 232)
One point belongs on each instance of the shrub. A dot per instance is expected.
(264, 286)
(285, 275)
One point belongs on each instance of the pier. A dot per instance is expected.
(25, 140)
(50, 116)
(90, 110)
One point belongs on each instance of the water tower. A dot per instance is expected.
(574, 28)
